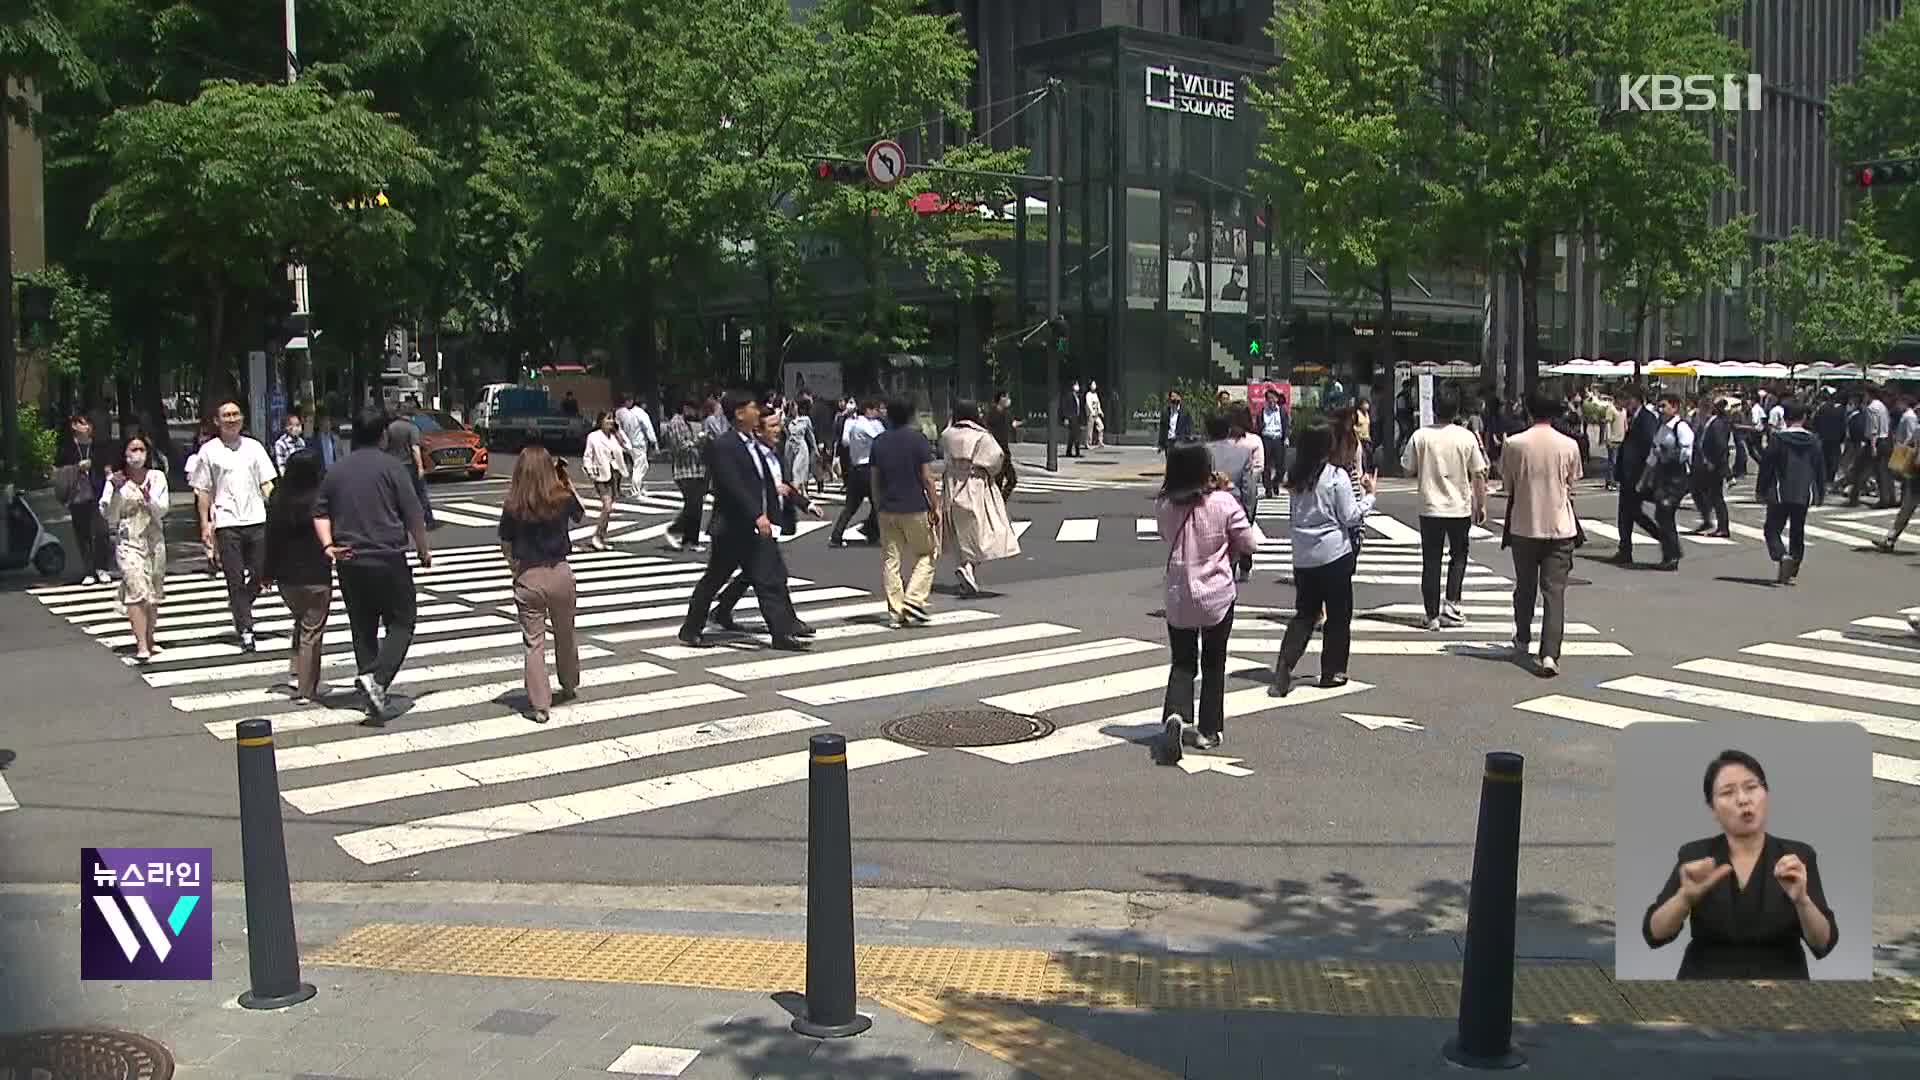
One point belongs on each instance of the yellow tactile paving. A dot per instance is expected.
(1544, 992)
(1030, 1045)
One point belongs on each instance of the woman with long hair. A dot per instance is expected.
(1206, 532)
(540, 507)
(605, 463)
(1324, 516)
(134, 509)
(975, 510)
(1242, 431)
(298, 566)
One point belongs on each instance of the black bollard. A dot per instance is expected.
(273, 956)
(830, 978)
(1485, 1036)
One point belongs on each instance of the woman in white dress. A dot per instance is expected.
(800, 443)
(134, 507)
(605, 463)
(977, 527)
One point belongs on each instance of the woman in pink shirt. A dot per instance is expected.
(1206, 531)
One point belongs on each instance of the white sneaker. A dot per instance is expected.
(1174, 733)
(1549, 667)
(675, 542)
(1431, 624)
(1450, 615)
(375, 694)
(1209, 742)
(247, 644)
(968, 584)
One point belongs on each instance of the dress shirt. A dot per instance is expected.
(859, 436)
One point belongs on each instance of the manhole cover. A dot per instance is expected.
(967, 727)
(83, 1055)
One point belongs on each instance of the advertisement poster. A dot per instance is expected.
(1257, 392)
(1426, 398)
(821, 380)
(1193, 282)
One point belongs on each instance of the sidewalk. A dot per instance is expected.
(424, 981)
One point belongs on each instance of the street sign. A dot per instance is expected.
(886, 163)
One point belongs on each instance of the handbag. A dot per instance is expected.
(1904, 461)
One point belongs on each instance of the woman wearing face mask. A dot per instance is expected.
(605, 463)
(134, 507)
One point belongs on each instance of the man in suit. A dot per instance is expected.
(1176, 423)
(746, 499)
(1642, 427)
(792, 501)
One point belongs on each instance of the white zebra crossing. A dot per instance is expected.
(1790, 693)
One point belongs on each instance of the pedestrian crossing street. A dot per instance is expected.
(1866, 673)
(462, 764)
(1848, 528)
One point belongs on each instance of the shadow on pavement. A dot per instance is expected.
(762, 1046)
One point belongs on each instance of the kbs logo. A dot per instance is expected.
(124, 894)
(1690, 93)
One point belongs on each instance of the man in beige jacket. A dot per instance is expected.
(1541, 466)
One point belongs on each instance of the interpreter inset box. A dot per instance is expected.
(1743, 849)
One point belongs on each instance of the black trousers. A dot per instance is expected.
(1792, 518)
(1328, 587)
(1202, 653)
(758, 558)
(377, 592)
(1633, 511)
(1710, 498)
(859, 490)
(1276, 463)
(1452, 533)
(1540, 572)
(1830, 453)
(243, 556)
(693, 496)
(1665, 515)
(90, 536)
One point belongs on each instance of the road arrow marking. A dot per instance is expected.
(1192, 764)
(1375, 723)
(7, 801)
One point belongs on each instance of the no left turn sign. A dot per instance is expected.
(886, 163)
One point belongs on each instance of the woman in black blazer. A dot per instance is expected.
(1749, 898)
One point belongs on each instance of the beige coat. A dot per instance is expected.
(977, 527)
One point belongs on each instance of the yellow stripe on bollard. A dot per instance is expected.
(830, 759)
(258, 740)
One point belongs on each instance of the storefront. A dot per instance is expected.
(1167, 277)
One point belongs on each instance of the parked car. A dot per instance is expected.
(448, 446)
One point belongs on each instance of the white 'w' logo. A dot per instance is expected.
(123, 933)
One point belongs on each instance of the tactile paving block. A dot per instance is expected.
(1567, 993)
(908, 966)
(1105, 980)
(372, 945)
(1036, 1048)
(1770, 1006)
(459, 950)
(1378, 988)
(740, 964)
(1272, 985)
(632, 958)
(547, 954)
(1187, 982)
(999, 974)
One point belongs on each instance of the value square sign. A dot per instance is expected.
(146, 913)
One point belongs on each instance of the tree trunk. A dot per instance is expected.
(215, 387)
(643, 348)
(1530, 260)
(153, 398)
(1639, 331)
(1385, 378)
(772, 331)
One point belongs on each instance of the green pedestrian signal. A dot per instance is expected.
(1255, 346)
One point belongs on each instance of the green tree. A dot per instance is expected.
(1877, 115)
(37, 53)
(1346, 157)
(227, 189)
(1838, 297)
(80, 342)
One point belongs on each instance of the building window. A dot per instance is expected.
(1224, 21)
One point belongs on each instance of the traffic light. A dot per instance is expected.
(1255, 346)
(1058, 325)
(840, 172)
(1875, 174)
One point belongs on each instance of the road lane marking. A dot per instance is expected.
(906, 646)
(1759, 705)
(961, 672)
(1078, 531)
(1145, 723)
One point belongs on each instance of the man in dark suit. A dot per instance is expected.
(1635, 449)
(792, 502)
(1176, 423)
(746, 498)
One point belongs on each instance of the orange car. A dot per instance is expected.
(448, 446)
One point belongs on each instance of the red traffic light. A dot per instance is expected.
(840, 172)
(823, 170)
(1882, 173)
(1866, 177)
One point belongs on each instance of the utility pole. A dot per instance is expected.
(297, 272)
(9, 334)
(1055, 223)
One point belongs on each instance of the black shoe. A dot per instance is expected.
(836, 542)
(1333, 681)
(1282, 681)
(1621, 560)
(802, 630)
(692, 640)
(1722, 534)
(790, 644)
(1668, 565)
(564, 695)
(724, 620)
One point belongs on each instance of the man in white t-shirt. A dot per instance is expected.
(637, 433)
(1452, 475)
(232, 477)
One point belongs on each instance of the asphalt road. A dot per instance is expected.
(643, 782)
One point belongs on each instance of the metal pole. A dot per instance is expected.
(273, 951)
(296, 272)
(1056, 221)
(16, 472)
(831, 981)
(1484, 1037)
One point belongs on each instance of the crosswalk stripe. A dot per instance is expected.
(1880, 622)
(1377, 626)
(1078, 531)
(339, 636)
(267, 669)
(1286, 574)
(679, 611)
(389, 842)
(1759, 705)
(899, 649)
(1889, 767)
(506, 726)
(1467, 608)
(1869, 528)
(961, 672)
(1429, 647)
(1146, 529)
(459, 697)
(1394, 530)
(1830, 658)
(470, 521)
(269, 695)
(666, 587)
(1098, 734)
(610, 579)
(831, 633)
(1052, 696)
(1840, 637)
(824, 614)
(539, 764)
(1803, 680)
